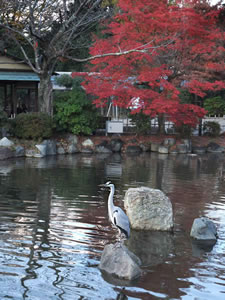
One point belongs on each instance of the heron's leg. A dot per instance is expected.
(123, 237)
(120, 238)
(117, 238)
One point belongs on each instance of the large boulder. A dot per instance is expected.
(6, 153)
(163, 149)
(65, 145)
(168, 142)
(60, 148)
(203, 229)
(148, 209)
(50, 147)
(118, 261)
(72, 148)
(154, 147)
(47, 147)
(4, 142)
(42, 150)
(19, 151)
(103, 147)
(72, 139)
(87, 146)
(71, 144)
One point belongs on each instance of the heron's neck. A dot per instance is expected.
(110, 202)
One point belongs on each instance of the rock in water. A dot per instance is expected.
(148, 209)
(204, 230)
(118, 261)
(20, 151)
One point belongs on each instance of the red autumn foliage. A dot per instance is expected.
(175, 43)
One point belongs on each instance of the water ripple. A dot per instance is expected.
(54, 226)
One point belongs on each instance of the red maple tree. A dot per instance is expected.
(175, 43)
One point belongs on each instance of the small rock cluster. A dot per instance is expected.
(170, 145)
(151, 217)
(69, 144)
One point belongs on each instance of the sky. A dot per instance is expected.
(216, 1)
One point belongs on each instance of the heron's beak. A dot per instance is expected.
(102, 185)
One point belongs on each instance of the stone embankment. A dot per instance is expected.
(70, 144)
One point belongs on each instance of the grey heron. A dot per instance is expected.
(116, 215)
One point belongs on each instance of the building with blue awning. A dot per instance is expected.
(18, 86)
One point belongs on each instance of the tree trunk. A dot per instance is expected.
(161, 122)
(45, 94)
(200, 128)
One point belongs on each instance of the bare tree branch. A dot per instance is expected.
(48, 30)
(141, 49)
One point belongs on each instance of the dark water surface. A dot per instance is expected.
(54, 225)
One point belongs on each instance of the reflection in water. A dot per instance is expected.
(201, 247)
(151, 247)
(54, 226)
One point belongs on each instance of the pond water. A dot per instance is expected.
(54, 226)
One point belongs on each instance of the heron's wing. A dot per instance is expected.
(121, 220)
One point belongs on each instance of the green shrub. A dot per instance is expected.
(211, 128)
(32, 126)
(141, 122)
(215, 105)
(64, 80)
(75, 113)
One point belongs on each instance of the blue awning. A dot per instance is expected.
(19, 76)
